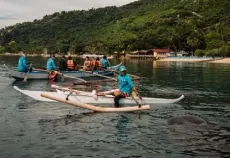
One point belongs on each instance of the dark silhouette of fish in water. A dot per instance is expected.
(187, 124)
(192, 134)
(187, 119)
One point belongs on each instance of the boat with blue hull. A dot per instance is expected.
(41, 75)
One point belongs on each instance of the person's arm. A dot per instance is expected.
(132, 85)
(24, 63)
(53, 65)
(109, 63)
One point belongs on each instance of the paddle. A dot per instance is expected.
(26, 75)
(133, 97)
(67, 76)
(96, 74)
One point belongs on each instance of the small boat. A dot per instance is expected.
(40, 75)
(89, 98)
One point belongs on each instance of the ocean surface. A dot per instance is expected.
(32, 129)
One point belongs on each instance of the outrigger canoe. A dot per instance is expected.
(89, 98)
(40, 75)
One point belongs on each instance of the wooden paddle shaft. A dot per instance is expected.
(95, 108)
(134, 76)
(68, 89)
(96, 74)
(77, 91)
(67, 76)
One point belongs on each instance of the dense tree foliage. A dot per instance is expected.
(200, 26)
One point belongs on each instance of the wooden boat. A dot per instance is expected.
(40, 75)
(88, 97)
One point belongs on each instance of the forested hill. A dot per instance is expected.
(176, 24)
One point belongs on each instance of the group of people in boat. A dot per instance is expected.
(125, 84)
(66, 64)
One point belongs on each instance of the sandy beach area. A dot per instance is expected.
(188, 59)
(223, 61)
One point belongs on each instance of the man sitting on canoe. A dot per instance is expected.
(50, 66)
(22, 64)
(50, 63)
(71, 64)
(96, 64)
(104, 62)
(125, 85)
(87, 64)
(63, 64)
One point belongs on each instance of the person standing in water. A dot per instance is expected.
(125, 86)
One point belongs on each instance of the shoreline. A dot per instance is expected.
(197, 59)
(56, 55)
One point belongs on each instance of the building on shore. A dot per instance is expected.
(152, 54)
(161, 53)
(142, 54)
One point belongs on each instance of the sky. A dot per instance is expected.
(17, 11)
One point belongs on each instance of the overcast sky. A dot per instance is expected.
(17, 11)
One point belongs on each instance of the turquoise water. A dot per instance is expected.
(29, 128)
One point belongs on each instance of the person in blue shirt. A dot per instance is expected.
(51, 64)
(125, 85)
(104, 62)
(22, 64)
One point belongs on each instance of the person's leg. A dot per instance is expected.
(117, 98)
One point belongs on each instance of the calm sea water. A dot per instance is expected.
(29, 128)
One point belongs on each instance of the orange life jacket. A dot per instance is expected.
(98, 63)
(92, 63)
(70, 64)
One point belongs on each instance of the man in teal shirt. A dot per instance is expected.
(125, 85)
(51, 64)
(22, 64)
(104, 62)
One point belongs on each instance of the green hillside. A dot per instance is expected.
(192, 25)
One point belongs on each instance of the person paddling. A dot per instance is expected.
(50, 63)
(63, 64)
(71, 64)
(51, 67)
(125, 85)
(22, 64)
(104, 62)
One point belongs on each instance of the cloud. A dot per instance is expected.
(28, 10)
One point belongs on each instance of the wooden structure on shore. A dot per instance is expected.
(151, 54)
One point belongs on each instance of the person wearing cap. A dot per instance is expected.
(22, 64)
(125, 85)
(104, 62)
(63, 64)
(50, 63)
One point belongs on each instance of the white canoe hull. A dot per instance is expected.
(100, 100)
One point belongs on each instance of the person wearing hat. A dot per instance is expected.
(104, 62)
(50, 63)
(22, 63)
(125, 85)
